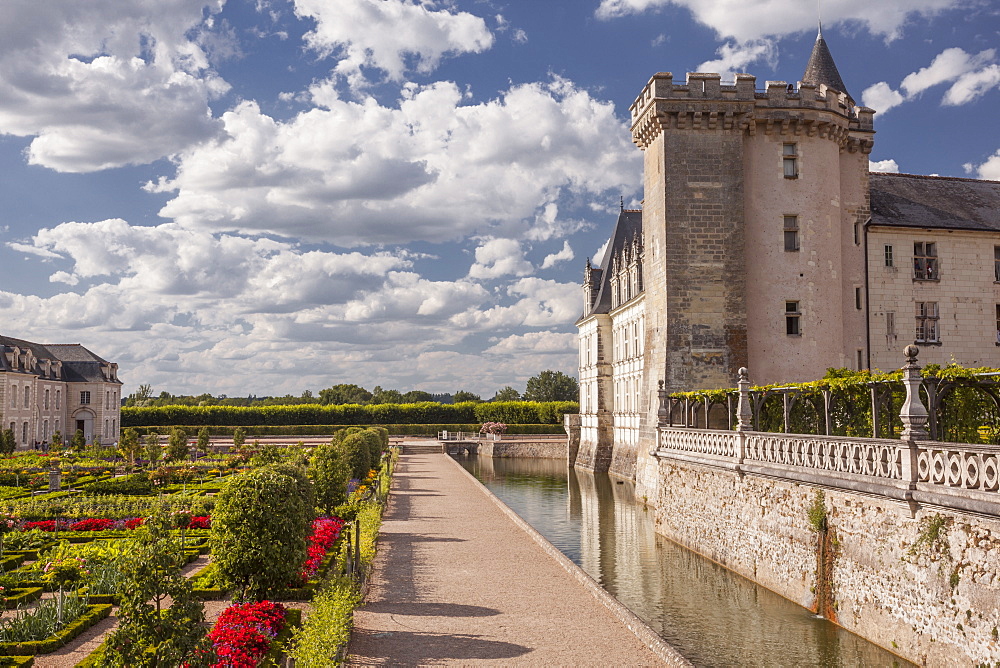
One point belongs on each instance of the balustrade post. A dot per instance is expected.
(744, 416)
(873, 393)
(707, 406)
(913, 414)
(826, 411)
(786, 410)
(662, 412)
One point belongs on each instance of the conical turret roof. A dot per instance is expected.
(821, 69)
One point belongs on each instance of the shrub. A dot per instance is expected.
(259, 530)
(357, 448)
(330, 472)
(177, 446)
(328, 626)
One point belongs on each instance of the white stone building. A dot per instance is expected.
(45, 388)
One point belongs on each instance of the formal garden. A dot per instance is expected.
(166, 554)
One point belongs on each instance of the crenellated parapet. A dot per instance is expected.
(704, 103)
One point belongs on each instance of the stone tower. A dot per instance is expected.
(755, 202)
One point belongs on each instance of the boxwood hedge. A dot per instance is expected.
(423, 413)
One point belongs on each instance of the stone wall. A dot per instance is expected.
(930, 596)
(536, 449)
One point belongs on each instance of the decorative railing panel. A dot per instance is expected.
(880, 459)
(965, 468)
(700, 441)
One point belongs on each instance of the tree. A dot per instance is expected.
(345, 394)
(57, 440)
(462, 395)
(140, 397)
(507, 394)
(259, 529)
(552, 386)
(358, 451)
(330, 472)
(149, 632)
(416, 396)
(239, 438)
(129, 445)
(204, 440)
(153, 451)
(177, 445)
(7, 442)
(380, 396)
(79, 442)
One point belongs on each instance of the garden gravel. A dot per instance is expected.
(457, 581)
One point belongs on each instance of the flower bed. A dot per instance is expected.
(104, 524)
(244, 633)
(326, 530)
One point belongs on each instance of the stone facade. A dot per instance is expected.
(50, 388)
(932, 601)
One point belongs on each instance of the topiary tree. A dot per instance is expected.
(330, 472)
(259, 529)
(269, 454)
(357, 448)
(177, 445)
(57, 441)
(149, 632)
(7, 441)
(79, 442)
(204, 440)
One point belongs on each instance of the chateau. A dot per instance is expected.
(57, 387)
(765, 242)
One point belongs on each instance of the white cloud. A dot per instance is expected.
(886, 166)
(500, 257)
(881, 97)
(434, 167)
(394, 36)
(735, 57)
(107, 82)
(970, 75)
(564, 255)
(534, 343)
(187, 310)
(973, 85)
(747, 21)
(989, 169)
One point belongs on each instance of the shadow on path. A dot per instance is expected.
(420, 648)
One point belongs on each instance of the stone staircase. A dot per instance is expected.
(422, 447)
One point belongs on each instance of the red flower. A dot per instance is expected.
(92, 524)
(243, 633)
(324, 535)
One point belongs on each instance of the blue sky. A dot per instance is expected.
(269, 196)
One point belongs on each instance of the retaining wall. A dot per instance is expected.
(930, 596)
(536, 449)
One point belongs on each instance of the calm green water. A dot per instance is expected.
(711, 615)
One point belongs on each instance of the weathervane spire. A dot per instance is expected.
(623, 202)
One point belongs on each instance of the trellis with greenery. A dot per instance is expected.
(963, 403)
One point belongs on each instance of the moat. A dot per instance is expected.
(711, 615)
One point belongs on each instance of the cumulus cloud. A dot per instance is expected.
(201, 310)
(500, 257)
(886, 166)
(534, 343)
(735, 57)
(394, 36)
(106, 83)
(564, 255)
(747, 21)
(433, 167)
(989, 169)
(970, 76)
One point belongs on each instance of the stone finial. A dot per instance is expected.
(744, 414)
(913, 413)
(662, 412)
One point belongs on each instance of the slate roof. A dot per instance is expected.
(629, 226)
(934, 202)
(821, 69)
(80, 365)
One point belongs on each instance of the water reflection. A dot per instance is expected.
(713, 616)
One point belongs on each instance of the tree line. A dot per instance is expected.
(546, 386)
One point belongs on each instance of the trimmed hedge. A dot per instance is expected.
(94, 614)
(18, 595)
(394, 429)
(426, 412)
